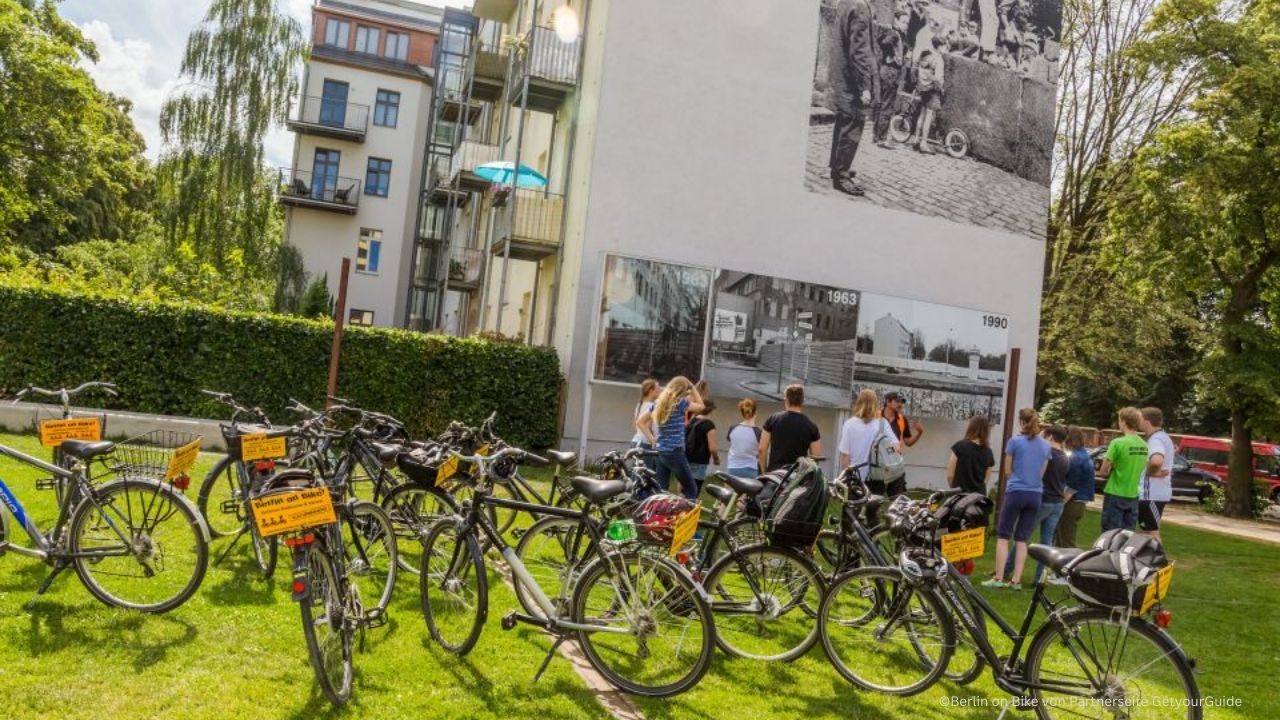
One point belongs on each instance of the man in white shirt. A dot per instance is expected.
(1157, 479)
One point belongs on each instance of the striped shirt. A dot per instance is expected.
(671, 432)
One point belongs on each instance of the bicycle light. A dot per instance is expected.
(301, 587)
(966, 567)
(1164, 618)
(182, 482)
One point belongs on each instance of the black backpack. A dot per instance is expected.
(759, 504)
(796, 513)
(964, 511)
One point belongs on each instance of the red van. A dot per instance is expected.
(1211, 454)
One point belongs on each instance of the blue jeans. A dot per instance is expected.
(1118, 512)
(1047, 518)
(674, 462)
(752, 472)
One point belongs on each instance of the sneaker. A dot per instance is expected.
(995, 584)
(1015, 586)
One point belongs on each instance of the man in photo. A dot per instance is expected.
(891, 41)
(789, 435)
(908, 432)
(854, 85)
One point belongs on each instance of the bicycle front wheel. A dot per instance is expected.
(653, 633)
(764, 601)
(552, 551)
(884, 635)
(413, 508)
(371, 554)
(328, 631)
(220, 501)
(1094, 665)
(453, 586)
(140, 545)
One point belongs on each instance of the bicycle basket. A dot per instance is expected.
(165, 455)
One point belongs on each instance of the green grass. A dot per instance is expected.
(236, 650)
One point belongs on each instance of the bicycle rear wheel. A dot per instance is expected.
(371, 554)
(874, 626)
(413, 508)
(765, 601)
(220, 500)
(139, 545)
(453, 586)
(656, 634)
(1105, 668)
(328, 631)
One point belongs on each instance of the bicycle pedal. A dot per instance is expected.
(509, 621)
(46, 483)
(229, 507)
(375, 618)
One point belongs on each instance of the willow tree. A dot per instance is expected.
(240, 67)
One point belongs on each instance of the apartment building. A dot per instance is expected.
(360, 123)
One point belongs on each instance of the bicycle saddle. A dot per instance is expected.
(597, 490)
(741, 485)
(562, 458)
(86, 450)
(1055, 557)
(720, 493)
(387, 453)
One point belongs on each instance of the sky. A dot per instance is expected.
(140, 44)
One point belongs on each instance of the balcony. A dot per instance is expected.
(489, 72)
(552, 66)
(469, 156)
(330, 118)
(466, 268)
(335, 194)
(532, 227)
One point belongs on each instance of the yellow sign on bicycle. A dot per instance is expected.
(447, 470)
(182, 460)
(257, 446)
(53, 432)
(1158, 588)
(686, 525)
(280, 513)
(964, 545)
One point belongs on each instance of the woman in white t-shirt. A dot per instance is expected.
(645, 437)
(859, 432)
(744, 443)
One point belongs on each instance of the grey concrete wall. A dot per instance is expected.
(21, 417)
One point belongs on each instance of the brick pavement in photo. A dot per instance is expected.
(965, 190)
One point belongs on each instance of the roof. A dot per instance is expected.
(370, 11)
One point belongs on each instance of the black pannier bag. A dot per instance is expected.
(796, 513)
(1116, 572)
(964, 512)
(758, 506)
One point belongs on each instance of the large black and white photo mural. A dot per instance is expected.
(937, 107)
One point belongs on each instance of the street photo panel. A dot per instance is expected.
(653, 320)
(948, 362)
(939, 107)
(770, 332)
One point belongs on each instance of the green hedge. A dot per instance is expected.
(161, 355)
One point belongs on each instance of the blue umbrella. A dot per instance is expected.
(500, 173)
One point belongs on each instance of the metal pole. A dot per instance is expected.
(340, 313)
(1010, 404)
(513, 204)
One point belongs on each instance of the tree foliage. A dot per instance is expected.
(1202, 210)
(71, 163)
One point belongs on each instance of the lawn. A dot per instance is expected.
(236, 650)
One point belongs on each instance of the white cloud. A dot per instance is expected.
(125, 68)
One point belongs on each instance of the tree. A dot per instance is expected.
(71, 162)
(316, 302)
(241, 65)
(1203, 207)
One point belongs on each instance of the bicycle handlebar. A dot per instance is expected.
(65, 394)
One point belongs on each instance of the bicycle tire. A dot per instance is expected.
(962, 673)
(448, 559)
(152, 497)
(688, 604)
(882, 585)
(545, 549)
(802, 595)
(746, 530)
(266, 552)
(210, 493)
(900, 128)
(325, 594)
(1051, 634)
(371, 546)
(413, 508)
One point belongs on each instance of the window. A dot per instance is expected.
(367, 40)
(336, 32)
(368, 248)
(360, 317)
(377, 178)
(333, 103)
(397, 46)
(386, 110)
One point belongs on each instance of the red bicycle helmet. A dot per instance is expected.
(656, 516)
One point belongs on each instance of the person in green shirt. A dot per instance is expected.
(1124, 464)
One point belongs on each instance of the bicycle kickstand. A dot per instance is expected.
(230, 546)
(48, 581)
(550, 654)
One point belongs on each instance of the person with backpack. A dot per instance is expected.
(907, 431)
(700, 442)
(1025, 458)
(678, 397)
(744, 443)
(858, 437)
(789, 435)
(971, 459)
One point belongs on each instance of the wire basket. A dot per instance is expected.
(154, 454)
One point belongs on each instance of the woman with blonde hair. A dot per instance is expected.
(857, 436)
(677, 398)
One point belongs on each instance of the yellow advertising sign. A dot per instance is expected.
(447, 470)
(257, 446)
(53, 432)
(182, 460)
(964, 545)
(280, 513)
(1158, 588)
(684, 529)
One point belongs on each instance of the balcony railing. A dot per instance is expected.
(551, 58)
(329, 117)
(533, 226)
(466, 266)
(303, 188)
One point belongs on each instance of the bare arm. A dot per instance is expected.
(1106, 468)
(917, 432)
(815, 448)
(951, 470)
(1155, 466)
(764, 448)
(644, 424)
(696, 405)
(843, 459)
(711, 445)
(1008, 466)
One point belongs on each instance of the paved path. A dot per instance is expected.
(964, 190)
(1175, 514)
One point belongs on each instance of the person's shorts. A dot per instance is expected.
(1149, 514)
(1018, 516)
(931, 99)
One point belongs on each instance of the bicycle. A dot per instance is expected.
(896, 630)
(135, 542)
(66, 426)
(632, 613)
(902, 127)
